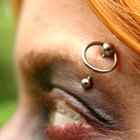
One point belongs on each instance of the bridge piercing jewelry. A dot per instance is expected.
(107, 50)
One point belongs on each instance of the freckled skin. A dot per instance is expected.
(60, 29)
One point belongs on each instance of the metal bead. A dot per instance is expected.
(87, 82)
(108, 49)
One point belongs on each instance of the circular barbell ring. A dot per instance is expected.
(92, 67)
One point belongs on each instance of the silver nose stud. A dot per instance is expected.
(107, 50)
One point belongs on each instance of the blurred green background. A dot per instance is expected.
(7, 77)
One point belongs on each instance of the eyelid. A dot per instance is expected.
(97, 117)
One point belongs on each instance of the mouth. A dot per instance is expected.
(69, 119)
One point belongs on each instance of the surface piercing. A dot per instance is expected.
(107, 50)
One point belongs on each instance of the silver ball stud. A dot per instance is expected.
(87, 82)
(108, 49)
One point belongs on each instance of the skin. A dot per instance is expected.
(50, 38)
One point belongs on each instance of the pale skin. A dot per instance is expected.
(53, 34)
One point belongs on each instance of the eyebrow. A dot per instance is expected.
(36, 66)
(38, 63)
(35, 61)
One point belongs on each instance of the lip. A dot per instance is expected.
(87, 131)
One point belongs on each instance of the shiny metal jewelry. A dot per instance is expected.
(108, 50)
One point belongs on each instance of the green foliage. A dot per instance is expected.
(6, 111)
(7, 80)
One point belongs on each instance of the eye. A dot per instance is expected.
(67, 112)
(70, 107)
(72, 104)
(64, 105)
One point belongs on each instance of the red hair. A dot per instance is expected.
(122, 17)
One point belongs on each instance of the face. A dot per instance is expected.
(52, 103)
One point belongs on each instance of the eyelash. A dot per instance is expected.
(101, 120)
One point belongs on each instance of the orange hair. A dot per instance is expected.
(122, 17)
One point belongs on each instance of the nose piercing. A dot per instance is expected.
(107, 50)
